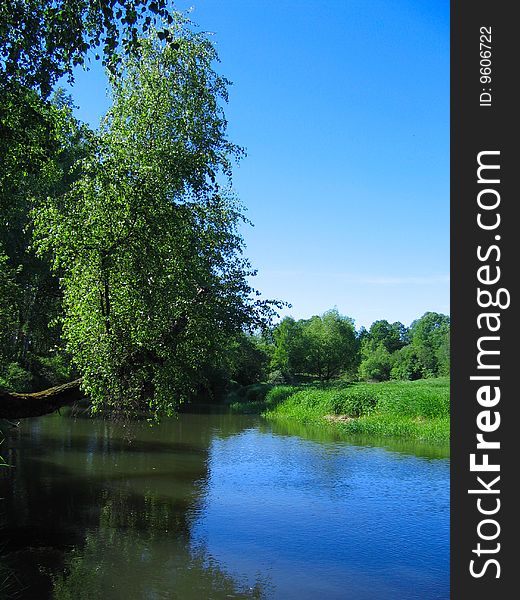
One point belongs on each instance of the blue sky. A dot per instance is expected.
(343, 108)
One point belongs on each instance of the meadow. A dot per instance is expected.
(413, 409)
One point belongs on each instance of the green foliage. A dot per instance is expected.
(330, 345)
(354, 402)
(423, 398)
(147, 240)
(256, 398)
(287, 348)
(241, 361)
(442, 351)
(9, 292)
(14, 378)
(305, 404)
(42, 140)
(250, 399)
(322, 346)
(30, 138)
(53, 369)
(406, 364)
(394, 352)
(418, 409)
(278, 394)
(383, 425)
(430, 339)
(39, 372)
(327, 347)
(376, 364)
(392, 336)
(378, 347)
(40, 41)
(247, 360)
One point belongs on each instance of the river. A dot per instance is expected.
(219, 506)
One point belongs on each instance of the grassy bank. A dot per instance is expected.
(413, 409)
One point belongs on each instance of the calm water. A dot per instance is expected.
(221, 506)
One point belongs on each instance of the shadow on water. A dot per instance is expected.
(91, 511)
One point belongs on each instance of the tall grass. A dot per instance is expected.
(416, 409)
(259, 397)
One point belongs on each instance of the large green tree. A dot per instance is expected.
(393, 336)
(287, 350)
(330, 345)
(146, 242)
(323, 346)
(41, 41)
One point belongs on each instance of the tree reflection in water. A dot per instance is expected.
(143, 550)
(86, 514)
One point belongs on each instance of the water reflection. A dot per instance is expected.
(93, 511)
(117, 561)
(322, 433)
(221, 506)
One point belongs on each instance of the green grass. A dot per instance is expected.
(257, 398)
(414, 409)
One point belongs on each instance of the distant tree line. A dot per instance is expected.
(328, 347)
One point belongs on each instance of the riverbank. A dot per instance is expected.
(413, 409)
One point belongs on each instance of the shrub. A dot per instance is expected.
(279, 393)
(50, 370)
(276, 377)
(14, 378)
(377, 365)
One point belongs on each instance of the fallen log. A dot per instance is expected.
(20, 406)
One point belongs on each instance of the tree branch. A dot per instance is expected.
(19, 406)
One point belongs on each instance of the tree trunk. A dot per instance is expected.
(19, 406)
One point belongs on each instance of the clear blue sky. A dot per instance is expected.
(343, 108)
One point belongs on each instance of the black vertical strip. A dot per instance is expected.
(475, 128)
